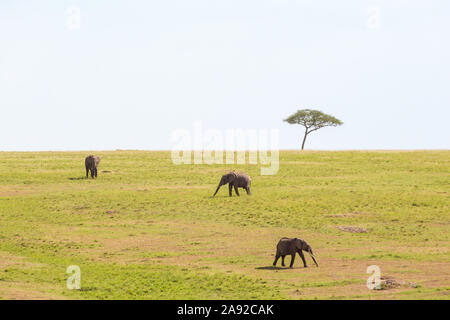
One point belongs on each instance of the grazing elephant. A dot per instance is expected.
(236, 180)
(91, 162)
(292, 246)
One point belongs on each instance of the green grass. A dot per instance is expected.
(148, 229)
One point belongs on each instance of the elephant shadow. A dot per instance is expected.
(77, 178)
(273, 268)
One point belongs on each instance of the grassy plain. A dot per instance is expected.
(148, 229)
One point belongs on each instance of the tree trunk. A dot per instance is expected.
(304, 139)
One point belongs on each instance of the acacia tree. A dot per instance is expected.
(312, 120)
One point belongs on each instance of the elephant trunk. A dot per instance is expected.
(218, 187)
(312, 256)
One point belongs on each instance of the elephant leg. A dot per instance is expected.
(236, 190)
(248, 190)
(277, 256)
(87, 173)
(92, 173)
(282, 261)
(96, 172)
(230, 189)
(292, 260)
(303, 258)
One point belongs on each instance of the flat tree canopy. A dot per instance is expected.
(312, 120)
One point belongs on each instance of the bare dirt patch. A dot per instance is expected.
(15, 191)
(348, 215)
(352, 229)
(7, 259)
(22, 291)
(389, 283)
(339, 215)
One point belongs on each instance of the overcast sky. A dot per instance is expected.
(136, 71)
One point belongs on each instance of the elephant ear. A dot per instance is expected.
(225, 179)
(299, 242)
(305, 244)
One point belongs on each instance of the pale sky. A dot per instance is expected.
(136, 71)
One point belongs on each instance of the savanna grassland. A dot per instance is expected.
(149, 229)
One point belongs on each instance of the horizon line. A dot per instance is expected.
(224, 150)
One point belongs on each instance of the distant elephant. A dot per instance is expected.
(91, 162)
(292, 246)
(236, 180)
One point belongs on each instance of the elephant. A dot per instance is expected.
(236, 180)
(91, 162)
(292, 246)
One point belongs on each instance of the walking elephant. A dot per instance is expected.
(291, 246)
(91, 162)
(236, 180)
